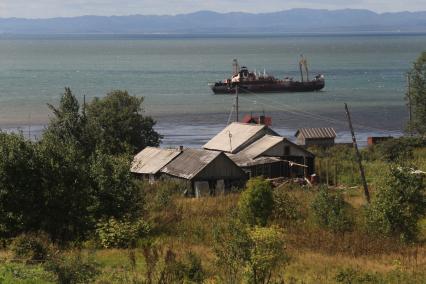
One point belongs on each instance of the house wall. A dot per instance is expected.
(279, 150)
(320, 142)
(221, 168)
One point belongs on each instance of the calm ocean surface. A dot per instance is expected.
(172, 73)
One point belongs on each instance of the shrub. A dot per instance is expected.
(398, 205)
(266, 253)
(114, 233)
(286, 207)
(73, 269)
(331, 211)
(231, 245)
(32, 247)
(351, 276)
(193, 269)
(256, 202)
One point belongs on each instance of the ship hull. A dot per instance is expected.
(268, 87)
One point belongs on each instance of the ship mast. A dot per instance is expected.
(303, 64)
(235, 67)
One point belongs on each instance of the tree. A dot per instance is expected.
(266, 253)
(118, 125)
(231, 245)
(256, 202)
(331, 211)
(399, 205)
(20, 191)
(417, 95)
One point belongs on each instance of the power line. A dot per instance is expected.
(299, 112)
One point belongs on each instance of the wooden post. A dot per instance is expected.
(358, 156)
(236, 102)
(326, 172)
(335, 173)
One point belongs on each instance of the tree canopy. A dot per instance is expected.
(417, 95)
(78, 173)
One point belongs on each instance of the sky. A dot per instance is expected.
(71, 8)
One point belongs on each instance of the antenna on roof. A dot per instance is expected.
(230, 140)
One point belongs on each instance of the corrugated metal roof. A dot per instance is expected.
(190, 162)
(151, 160)
(246, 156)
(260, 146)
(323, 132)
(233, 136)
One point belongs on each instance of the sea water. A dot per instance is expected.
(368, 72)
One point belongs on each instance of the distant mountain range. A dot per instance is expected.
(290, 21)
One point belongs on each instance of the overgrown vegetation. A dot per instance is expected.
(70, 212)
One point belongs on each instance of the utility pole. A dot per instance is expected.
(236, 102)
(358, 156)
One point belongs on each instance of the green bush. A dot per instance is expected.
(266, 254)
(256, 202)
(231, 245)
(352, 276)
(32, 247)
(73, 269)
(398, 205)
(193, 269)
(286, 207)
(114, 233)
(331, 211)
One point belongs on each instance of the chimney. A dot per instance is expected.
(181, 148)
(262, 119)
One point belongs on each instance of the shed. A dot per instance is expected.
(275, 156)
(205, 170)
(151, 160)
(236, 136)
(323, 136)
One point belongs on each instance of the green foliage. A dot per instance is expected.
(117, 124)
(398, 205)
(399, 149)
(193, 268)
(286, 207)
(256, 202)
(73, 268)
(231, 246)
(266, 253)
(20, 186)
(331, 211)
(78, 173)
(352, 276)
(20, 273)
(417, 95)
(67, 194)
(32, 247)
(115, 190)
(114, 233)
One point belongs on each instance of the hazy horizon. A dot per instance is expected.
(45, 9)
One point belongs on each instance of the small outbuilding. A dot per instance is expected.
(148, 162)
(322, 137)
(206, 172)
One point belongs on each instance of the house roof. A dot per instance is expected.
(190, 162)
(323, 132)
(151, 160)
(233, 137)
(260, 146)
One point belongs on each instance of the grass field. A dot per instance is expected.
(317, 255)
